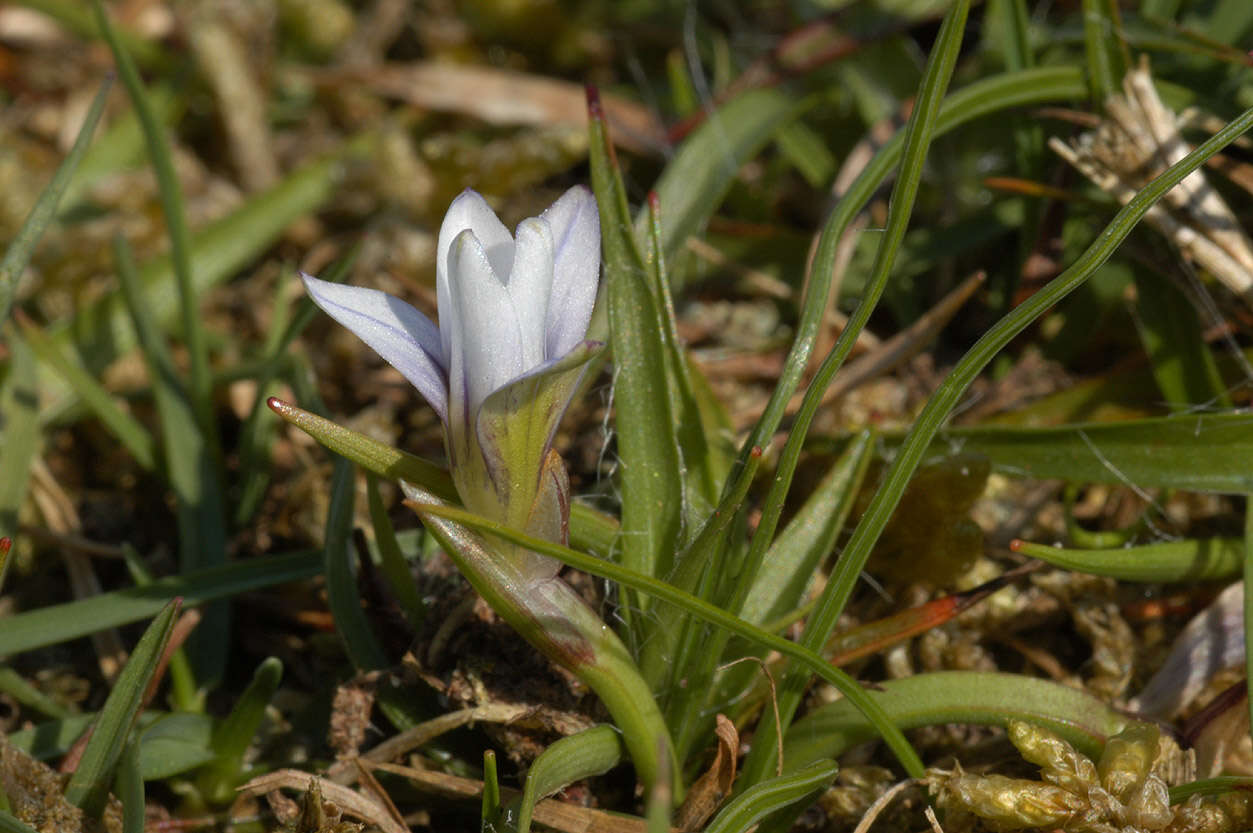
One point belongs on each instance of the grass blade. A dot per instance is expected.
(918, 135)
(341, 579)
(1205, 559)
(19, 403)
(60, 623)
(19, 251)
(88, 788)
(130, 789)
(765, 797)
(201, 384)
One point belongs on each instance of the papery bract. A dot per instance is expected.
(508, 352)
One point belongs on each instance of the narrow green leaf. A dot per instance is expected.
(587, 754)
(15, 685)
(651, 471)
(235, 734)
(765, 797)
(341, 579)
(59, 623)
(1205, 559)
(88, 788)
(102, 330)
(129, 431)
(490, 810)
(695, 181)
(130, 789)
(1101, 44)
(1211, 786)
(797, 551)
(11, 824)
(200, 387)
(1170, 331)
(19, 404)
(395, 568)
(918, 135)
(191, 467)
(20, 249)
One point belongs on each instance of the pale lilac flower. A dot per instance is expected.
(510, 347)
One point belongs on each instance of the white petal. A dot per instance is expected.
(404, 337)
(575, 224)
(487, 345)
(468, 211)
(530, 282)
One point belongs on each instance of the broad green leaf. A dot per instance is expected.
(59, 623)
(1205, 559)
(88, 788)
(587, 754)
(1198, 452)
(765, 797)
(18, 253)
(341, 578)
(174, 744)
(651, 471)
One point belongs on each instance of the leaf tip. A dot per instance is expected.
(594, 110)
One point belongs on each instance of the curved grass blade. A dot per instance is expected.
(765, 797)
(1101, 31)
(947, 395)
(1170, 331)
(341, 579)
(88, 788)
(979, 697)
(60, 623)
(18, 253)
(700, 609)
(918, 135)
(589, 753)
(1205, 559)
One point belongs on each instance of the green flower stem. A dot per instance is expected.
(557, 622)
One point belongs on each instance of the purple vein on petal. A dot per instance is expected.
(404, 337)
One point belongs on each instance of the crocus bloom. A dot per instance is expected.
(508, 353)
